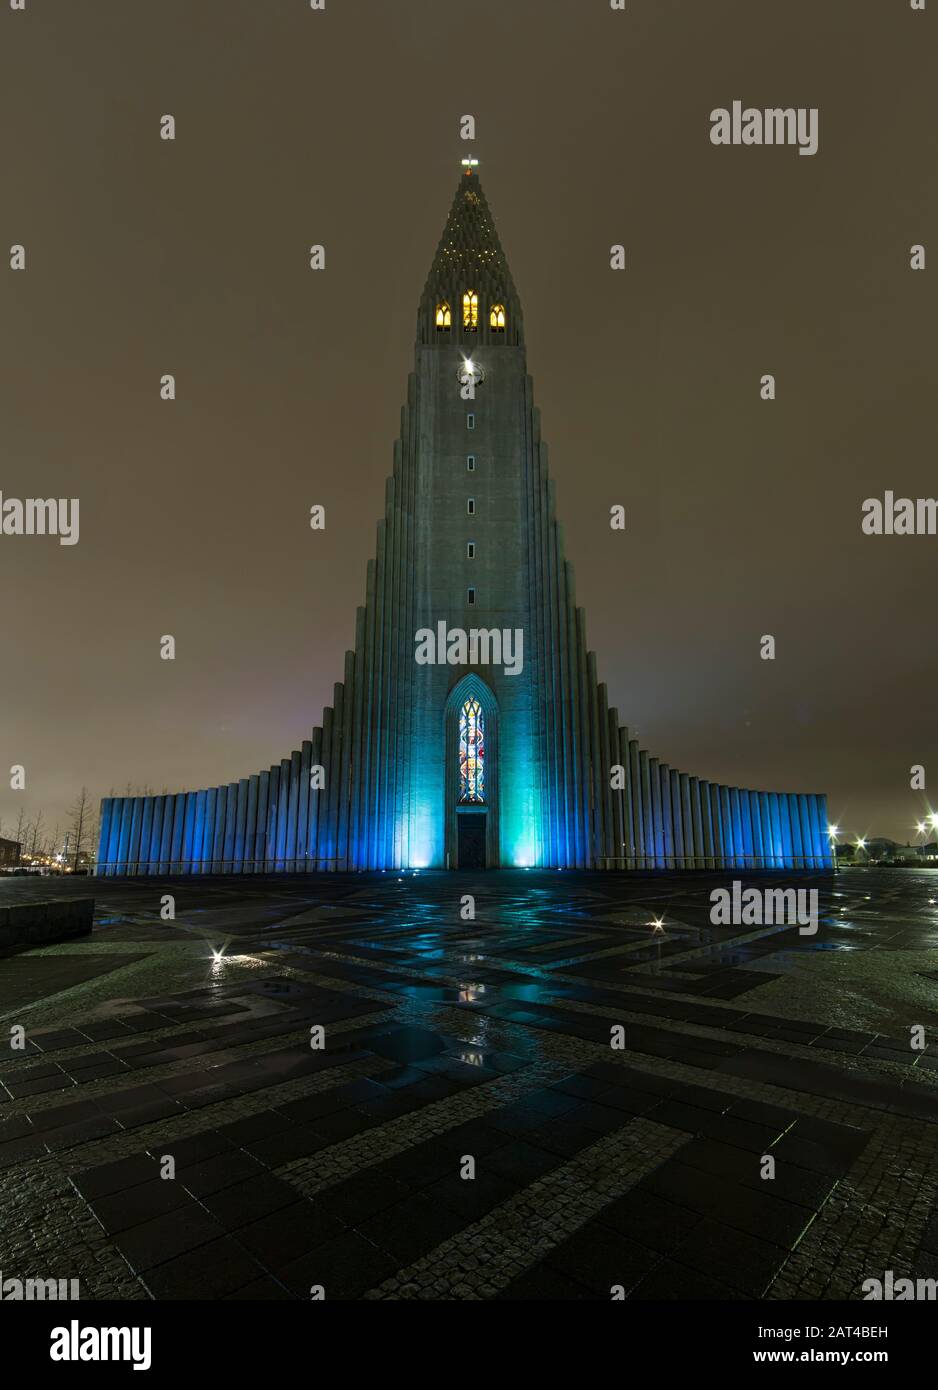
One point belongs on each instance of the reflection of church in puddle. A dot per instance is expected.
(478, 764)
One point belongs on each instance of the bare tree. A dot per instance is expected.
(81, 818)
(36, 829)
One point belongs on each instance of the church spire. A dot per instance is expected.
(469, 294)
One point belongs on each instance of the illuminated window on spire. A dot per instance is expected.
(497, 318)
(444, 318)
(471, 753)
(470, 310)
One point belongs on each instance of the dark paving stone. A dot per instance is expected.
(39, 1085)
(264, 1125)
(246, 1202)
(733, 1258)
(758, 1213)
(148, 1113)
(96, 1071)
(155, 1242)
(794, 1184)
(413, 1227)
(105, 1029)
(362, 1196)
(262, 1290)
(116, 1176)
(298, 1141)
(601, 1259)
(193, 1149)
(673, 1282)
(281, 1237)
(82, 1132)
(217, 1269)
(345, 1268)
(649, 1220)
(544, 1284)
(471, 1198)
(16, 1151)
(222, 1170)
(519, 1163)
(408, 1045)
(562, 1137)
(421, 1165)
(135, 1205)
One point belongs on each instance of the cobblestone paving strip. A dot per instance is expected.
(342, 1160)
(873, 1220)
(485, 1257)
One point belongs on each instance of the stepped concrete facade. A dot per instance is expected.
(470, 728)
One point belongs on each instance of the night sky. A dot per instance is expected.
(295, 127)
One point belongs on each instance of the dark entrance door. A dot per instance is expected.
(471, 841)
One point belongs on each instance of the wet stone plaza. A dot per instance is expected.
(346, 1086)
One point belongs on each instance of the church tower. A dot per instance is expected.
(470, 729)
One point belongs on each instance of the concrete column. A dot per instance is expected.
(690, 844)
(638, 817)
(667, 822)
(706, 821)
(273, 817)
(283, 814)
(345, 766)
(323, 847)
(198, 832)
(250, 827)
(156, 832)
(231, 826)
(620, 809)
(648, 813)
(146, 829)
(208, 832)
(293, 812)
(745, 821)
(677, 819)
(355, 857)
(628, 813)
(335, 776)
(188, 832)
(315, 760)
(756, 821)
(260, 824)
(737, 824)
(777, 846)
(179, 833)
(303, 862)
(369, 719)
(729, 826)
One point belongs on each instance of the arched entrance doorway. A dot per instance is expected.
(471, 782)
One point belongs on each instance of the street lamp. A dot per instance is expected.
(832, 832)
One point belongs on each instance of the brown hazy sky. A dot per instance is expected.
(341, 127)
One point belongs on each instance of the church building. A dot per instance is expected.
(470, 729)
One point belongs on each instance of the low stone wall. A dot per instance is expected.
(36, 923)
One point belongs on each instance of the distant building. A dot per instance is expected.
(9, 852)
(880, 848)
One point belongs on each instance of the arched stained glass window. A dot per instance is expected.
(444, 317)
(497, 318)
(470, 310)
(471, 753)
